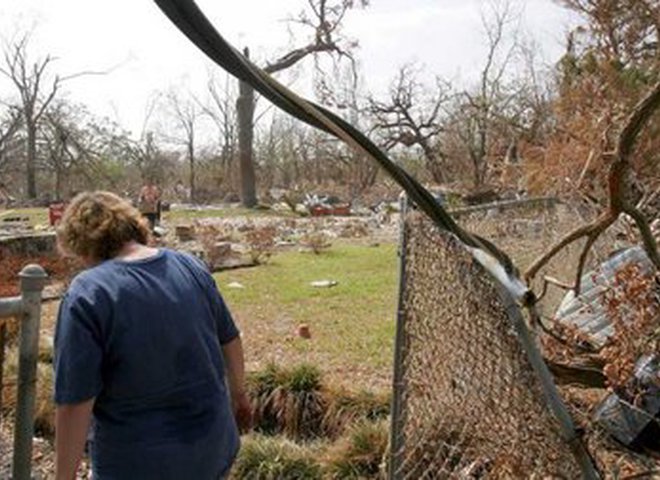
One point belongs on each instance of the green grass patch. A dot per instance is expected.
(353, 322)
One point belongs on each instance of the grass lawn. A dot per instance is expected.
(39, 216)
(352, 324)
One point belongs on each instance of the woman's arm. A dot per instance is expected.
(235, 364)
(71, 427)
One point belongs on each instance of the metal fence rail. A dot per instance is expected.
(27, 308)
(470, 399)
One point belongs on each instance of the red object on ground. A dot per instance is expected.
(319, 211)
(55, 212)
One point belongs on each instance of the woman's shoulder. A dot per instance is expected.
(90, 278)
(181, 255)
(188, 259)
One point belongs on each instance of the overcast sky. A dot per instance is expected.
(445, 36)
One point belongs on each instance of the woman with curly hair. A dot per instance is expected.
(146, 351)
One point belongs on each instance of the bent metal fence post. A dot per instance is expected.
(27, 308)
(472, 398)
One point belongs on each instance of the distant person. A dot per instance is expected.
(143, 346)
(149, 202)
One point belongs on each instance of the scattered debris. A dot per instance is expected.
(322, 205)
(635, 424)
(324, 284)
(159, 231)
(588, 312)
(615, 307)
(184, 233)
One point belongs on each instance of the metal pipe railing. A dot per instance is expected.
(27, 308)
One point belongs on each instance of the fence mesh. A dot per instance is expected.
(467, 402)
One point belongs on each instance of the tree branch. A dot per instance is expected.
(619, 182)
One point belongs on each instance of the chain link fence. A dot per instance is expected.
(469, 400)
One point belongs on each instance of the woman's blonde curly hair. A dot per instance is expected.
(97, 225)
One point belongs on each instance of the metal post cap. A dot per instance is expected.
(33, 277)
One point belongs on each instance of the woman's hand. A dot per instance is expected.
(233, 355)
(242, 412)
(71, 427)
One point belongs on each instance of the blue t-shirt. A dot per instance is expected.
(144, 338)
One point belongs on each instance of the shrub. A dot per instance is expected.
(261, 243)
(317, 242)
(267, 458)
(360, 453)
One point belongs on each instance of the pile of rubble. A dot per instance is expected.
(234, 242)
(613, 354)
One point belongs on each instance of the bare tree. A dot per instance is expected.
(9, 126)
(220, 109)
(347, 95)
(245, 106)
(61, 145)
(186, 112)
(478, 110)
(68, 144)
(325, 19)
(144, 153)
(36, 93)
(412, 116)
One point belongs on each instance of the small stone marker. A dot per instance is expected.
(303, 331)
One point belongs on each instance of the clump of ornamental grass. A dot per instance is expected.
(346, 408)
(288, 401)
(44, 415)
(275, 458)
(360, 453)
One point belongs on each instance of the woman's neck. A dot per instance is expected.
(135, 251)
